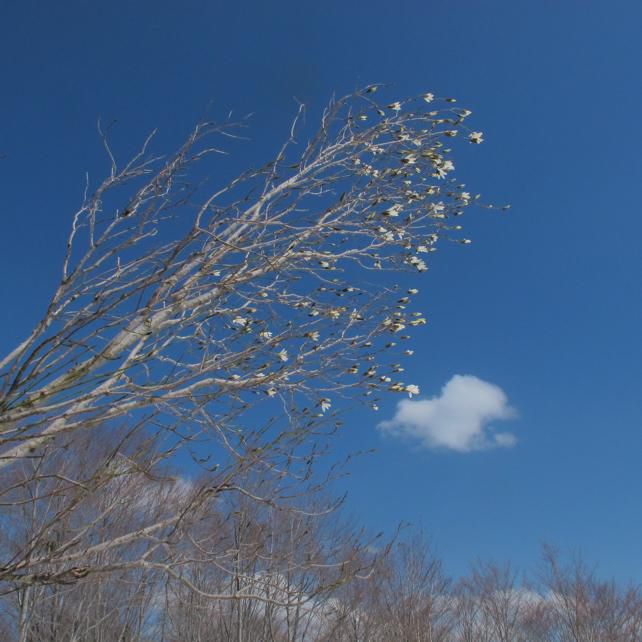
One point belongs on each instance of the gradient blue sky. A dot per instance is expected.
(545, 303)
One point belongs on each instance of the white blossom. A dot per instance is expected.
(442, 168)
(412, 389)
(476, 137)
(409, 159)
(392, 211)
(420, 264)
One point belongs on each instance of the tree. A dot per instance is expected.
(501, 603)
(414, 595)
(587, 609)
(219, 324)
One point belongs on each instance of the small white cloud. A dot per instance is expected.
(458, 419)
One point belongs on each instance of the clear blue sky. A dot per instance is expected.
(544, 304)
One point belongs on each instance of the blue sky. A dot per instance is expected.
(545, 304)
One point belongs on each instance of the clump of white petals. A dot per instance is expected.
(394, 210)
(476, 137)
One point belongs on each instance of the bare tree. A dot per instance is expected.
(220, 324)
(289, 563)
(502, 602)
(413, 594)
(490, 605)
(587, 609)
(407, 599)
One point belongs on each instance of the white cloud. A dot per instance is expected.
(458, 419)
